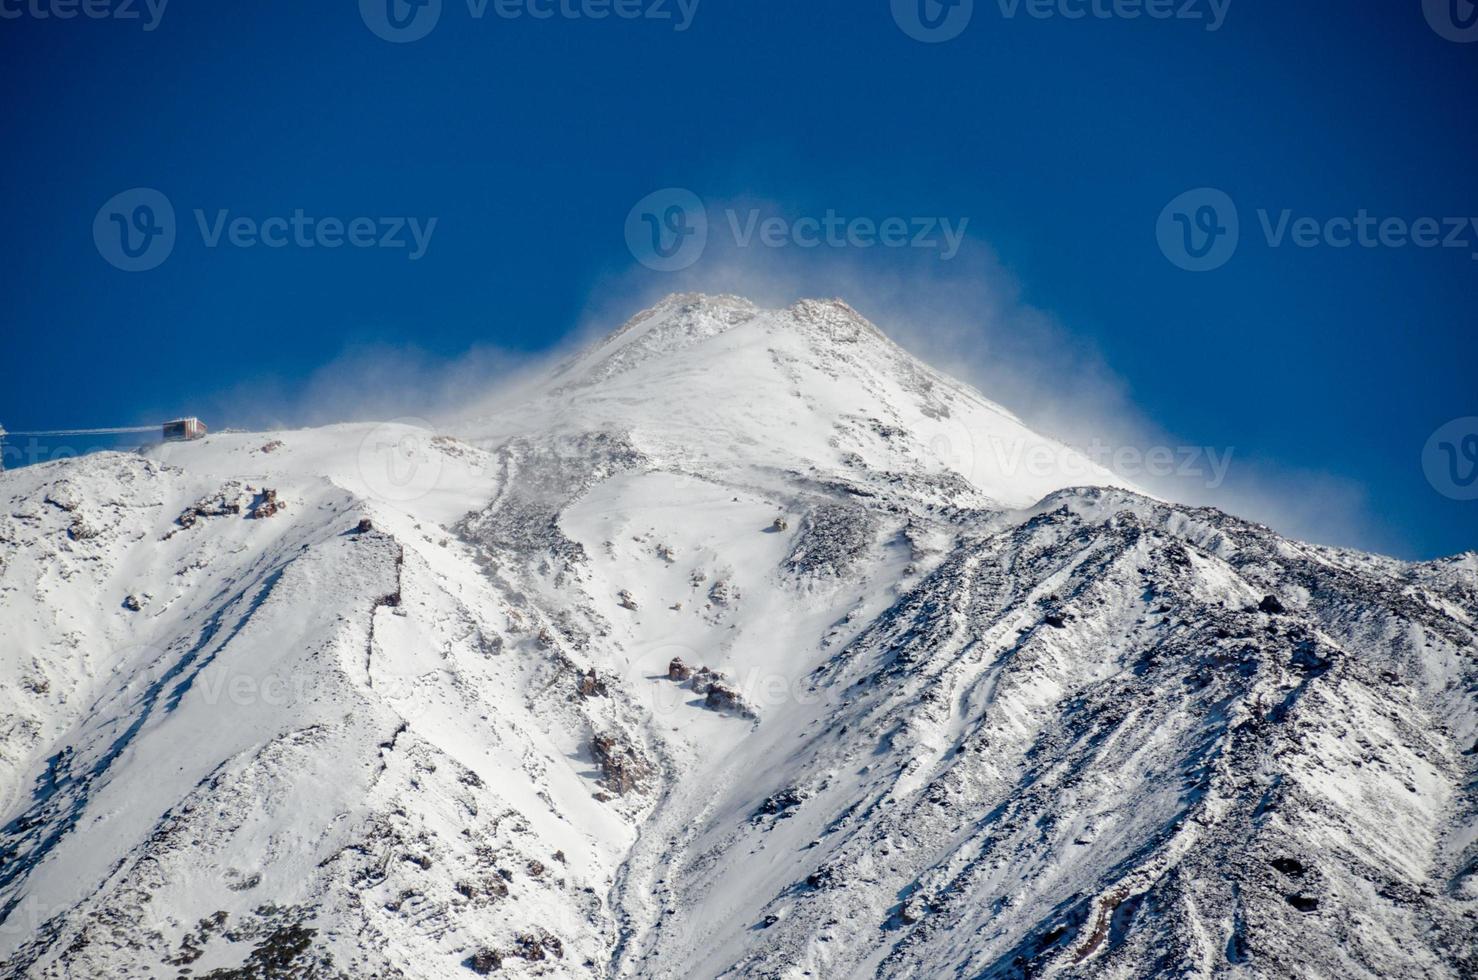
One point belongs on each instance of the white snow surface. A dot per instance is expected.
(372, 701)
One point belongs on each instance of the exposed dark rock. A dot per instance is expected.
(703, 678)
(265, 504)
(722, 698)
(536, 947)
(524, 521)
(484, 961)
(778, 803)
(722, 593)
(230, 499)
(833, 538)
(622, 769)
(1303, 903)
(591, 685)
(822, 878)
(284, 953)
(1306, 658)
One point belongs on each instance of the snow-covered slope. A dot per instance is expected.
(714, 385)
(744, 644)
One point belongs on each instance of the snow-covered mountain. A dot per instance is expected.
(744, 644)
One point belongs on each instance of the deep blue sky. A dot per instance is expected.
(530, 141)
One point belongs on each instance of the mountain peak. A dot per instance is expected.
(680, 321)
(724, 656)
(695, 300)
(814, 386)
(684, 310)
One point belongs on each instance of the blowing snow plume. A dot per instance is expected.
(969, 316)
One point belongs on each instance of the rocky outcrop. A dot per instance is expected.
(231, 498)
(591, 685)
(721, 697)
(831, 541)
(265, 504)
(622, 769)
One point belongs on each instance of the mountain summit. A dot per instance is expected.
(743, 644)
(717, 379)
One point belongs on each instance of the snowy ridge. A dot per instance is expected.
(746, 645)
